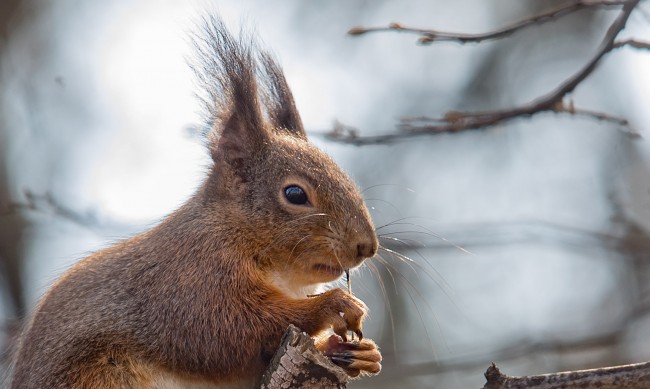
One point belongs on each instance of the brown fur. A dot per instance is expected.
(203, 298)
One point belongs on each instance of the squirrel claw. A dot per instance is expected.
(342, 361)
(362, 357)
(359, 334)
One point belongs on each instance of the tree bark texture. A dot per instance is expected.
(621, 377)
(297, 364)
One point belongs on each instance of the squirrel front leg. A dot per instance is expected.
(341, 311)
(334, 309)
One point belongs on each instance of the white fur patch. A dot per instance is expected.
(291, 289)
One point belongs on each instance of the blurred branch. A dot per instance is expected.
(46, 203)
(626, 376)
(9, 12)
(554, 101)
(428, 36)
(600, 116)
(633, 43)
(518, 349)
(638, 311)
(508, 233)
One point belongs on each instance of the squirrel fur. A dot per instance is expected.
(202, 299)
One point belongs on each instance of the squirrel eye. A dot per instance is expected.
(295, 195)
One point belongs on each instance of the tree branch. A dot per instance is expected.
(636, 44)
(428, 36)
(618, 377)
(46, 203)
(454, 121)
(517, 349)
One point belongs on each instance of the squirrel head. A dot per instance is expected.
(297, 212)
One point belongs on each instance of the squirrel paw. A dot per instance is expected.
(344, 312)
(357, 357)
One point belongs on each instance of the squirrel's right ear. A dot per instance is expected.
(278, 99)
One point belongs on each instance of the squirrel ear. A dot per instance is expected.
(237, 141)
(278, 99)
(237, 77)
(228, 71)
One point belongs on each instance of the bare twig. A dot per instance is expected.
(454, 121)
(428, 36)
(618, 377)
(638, 308)
(621, 122)
(46, 203)
(633, 43)
(35, 202)
(407, 123)
(517, 349)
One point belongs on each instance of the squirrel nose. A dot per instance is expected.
(366, 249)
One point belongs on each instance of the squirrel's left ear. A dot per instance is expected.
(278, 99)
(241, 137)
(228, 70)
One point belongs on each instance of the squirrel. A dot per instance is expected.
(203, 298)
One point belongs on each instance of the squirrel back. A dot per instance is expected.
(203, 298)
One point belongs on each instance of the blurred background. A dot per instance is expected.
(528, 243)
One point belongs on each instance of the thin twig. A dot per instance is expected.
(520, 348)
(621, 122)
(517, 349)
(428, 36)
(410, 122)
(454, 121)
(636, 44)
(46, 203)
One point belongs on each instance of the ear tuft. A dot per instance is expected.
(227, 74)
(278, 99)
(229, 71)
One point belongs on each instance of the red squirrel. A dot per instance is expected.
(203, 298)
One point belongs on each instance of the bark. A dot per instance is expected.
(621, 377)
(297, 364)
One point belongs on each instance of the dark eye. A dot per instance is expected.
(295, 195)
